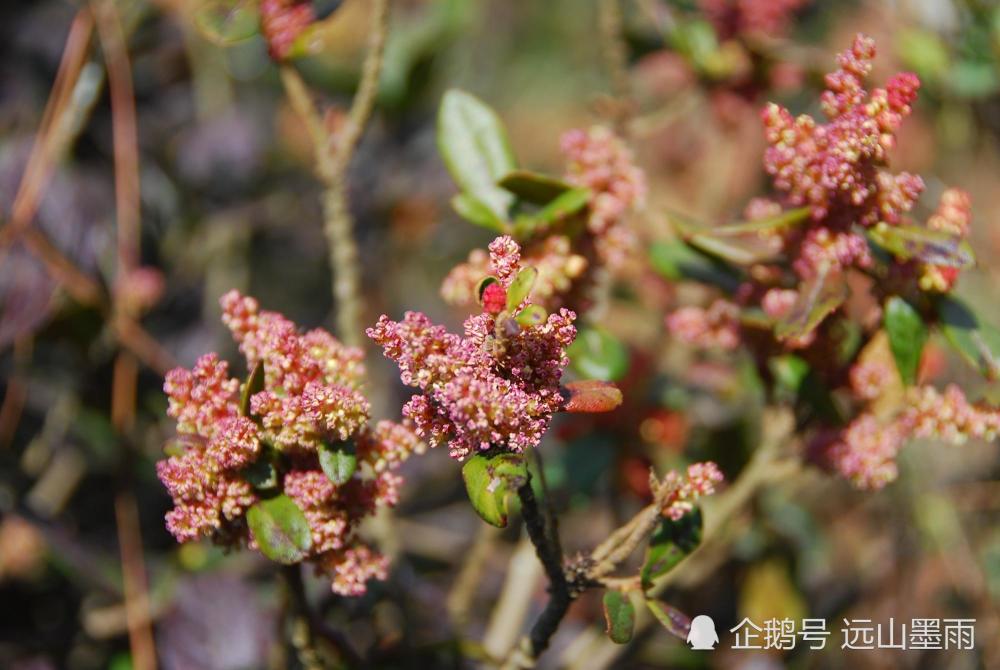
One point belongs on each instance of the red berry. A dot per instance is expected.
(494, 298)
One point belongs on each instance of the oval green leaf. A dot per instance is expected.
(671, 542)
(978, 342)
(677, 260)
(739, 243)
(619, 616)
(519, 289)
(338, 461)
(532, 315)
(935, 247)
(907, 336)
(597, 354)
(474, 145)
(564, 205)
(489, 480)
(477, 212)
(481, 286)
(280, 529)
(538, 189)
(672, 619)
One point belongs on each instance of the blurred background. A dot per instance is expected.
(219, 192)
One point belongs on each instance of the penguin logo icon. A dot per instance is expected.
(702, 635)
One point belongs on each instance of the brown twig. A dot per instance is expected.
(334, 151)
(615, 53)
(16, 392)
(764, 469)
(125, 137)
(47, 144)
(140, 632)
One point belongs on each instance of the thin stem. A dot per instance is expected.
(137, 614)
(47, 146)
(615, 58)
(306, 627)
(125, 135)
(339, 225)
(334, 151)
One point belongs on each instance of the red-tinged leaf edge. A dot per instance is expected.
(592, 396)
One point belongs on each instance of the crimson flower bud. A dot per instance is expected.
(494, 298)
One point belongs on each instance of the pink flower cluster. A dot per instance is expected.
(837, 168)
(682, 492)
(865, 451)
(715, 327)
(950, 417)
(750, 17)
(311, 392)
(310, 398)
(496, 386)
(600, 161)
(558, 267)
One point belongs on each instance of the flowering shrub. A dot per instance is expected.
(621, 386)
(840, 213)
(292, 465)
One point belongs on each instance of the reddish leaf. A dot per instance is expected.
(591, 396)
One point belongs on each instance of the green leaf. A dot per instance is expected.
(483, 283)
(564, 205)
(475, 148)
(338, 461)
(925, 52)
(489, 481)
(476, 212)
(261, 474)
(253, 385)
(619, 616)
(520, 288)
(907, 335)
(226, 22)
(819, 296)
(672, 541)
(974, 79)
(532, 315)
(773, 224)
(935, 247)
(677, 260)
(977, 341)
(676, 622)
(739, 243)
(788, 371)
(597, 354)
(280, 529)
(538, 189)
(738, 250)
